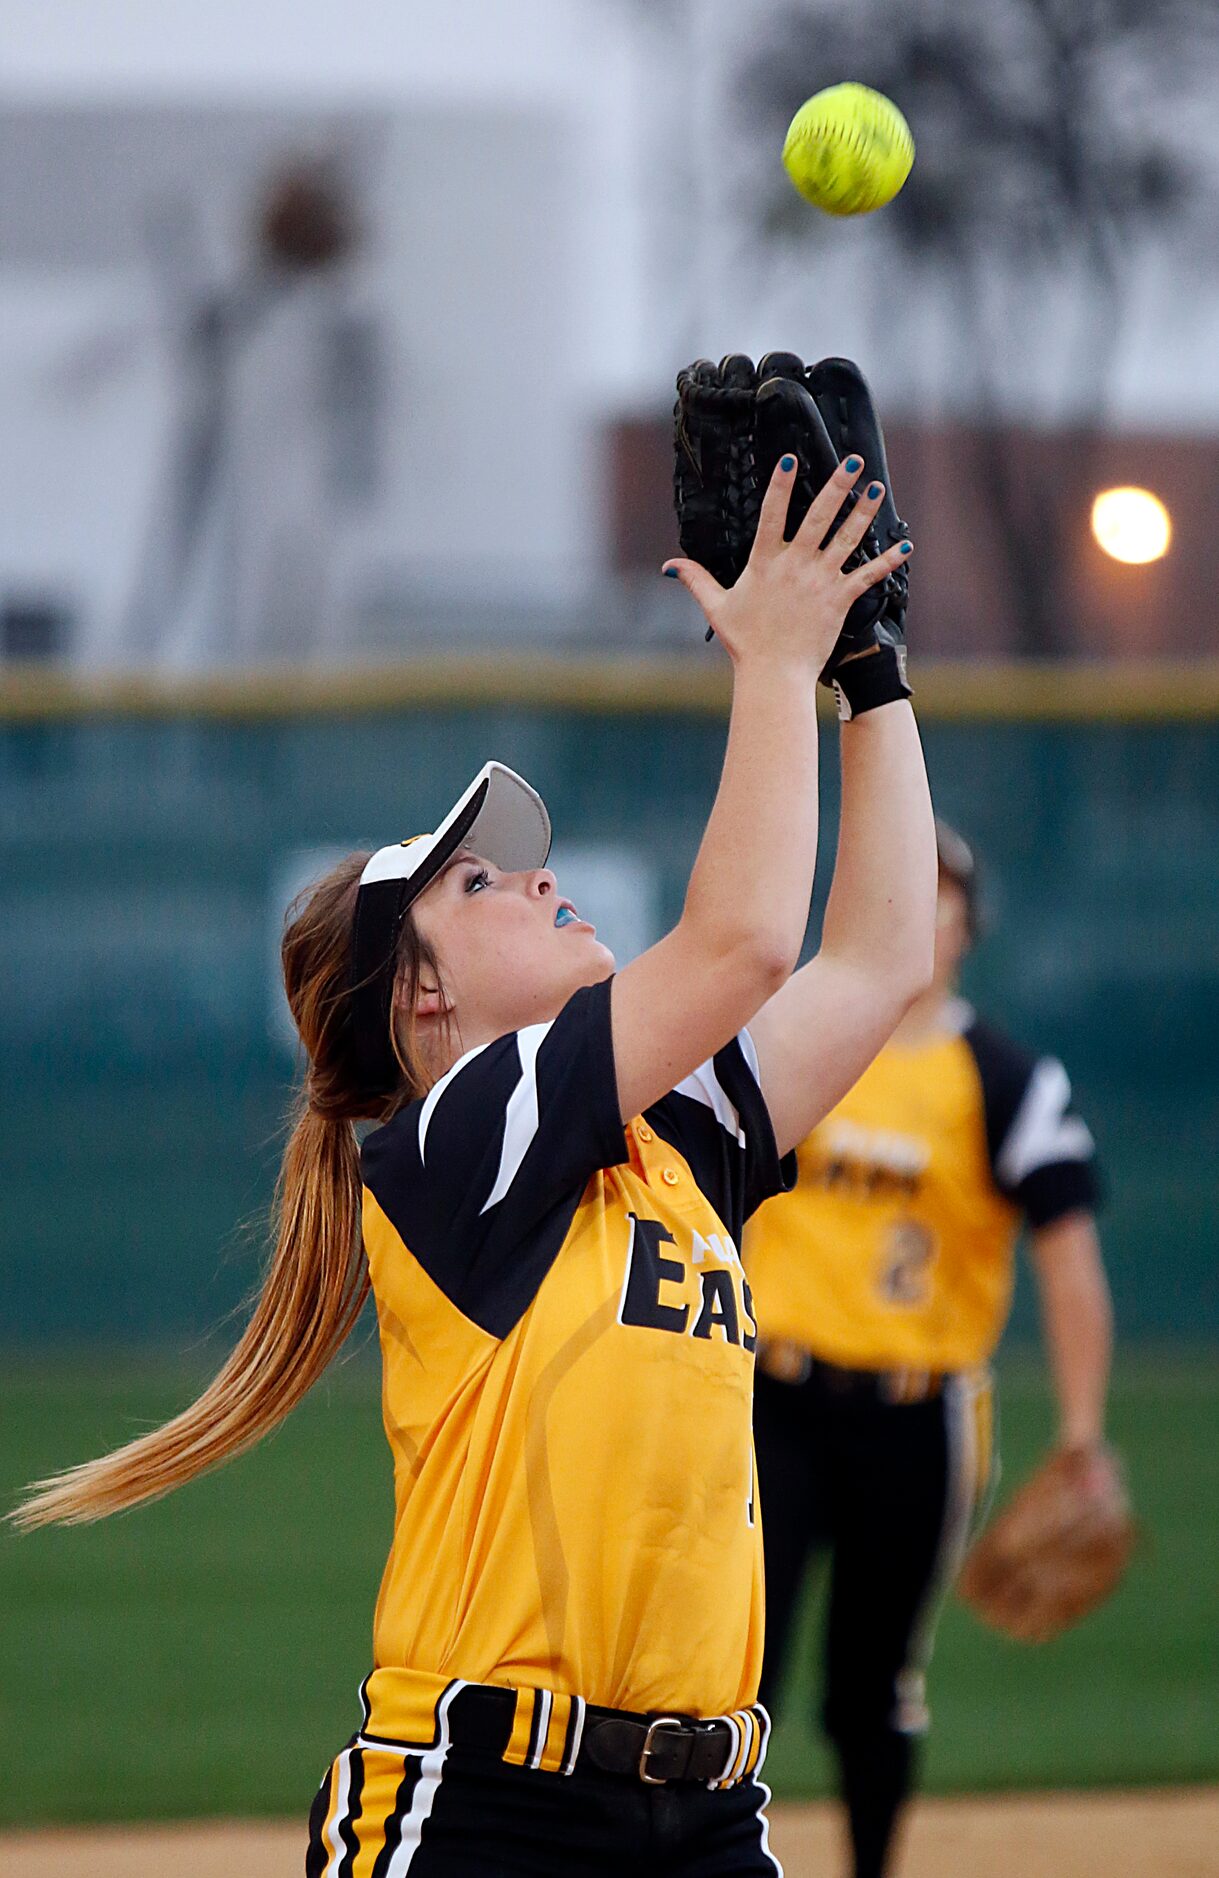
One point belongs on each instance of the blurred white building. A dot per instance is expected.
(407, 451)
(505, 160)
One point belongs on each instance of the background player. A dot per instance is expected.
(882, 1284)
(571, 1614)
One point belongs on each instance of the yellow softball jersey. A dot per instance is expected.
(895, 1249)
(567, 1338)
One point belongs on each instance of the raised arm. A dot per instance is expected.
(746, 907)
(818, 1033)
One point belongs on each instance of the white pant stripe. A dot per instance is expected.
(545, 1702)
(577, 1733)
(734, 1749)
(763, 1715)
(431, 1766)
(339, 1816)
(763, 1719)
(960, 1495)
(744, 1722)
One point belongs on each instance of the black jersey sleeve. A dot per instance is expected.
(481, 1179)
(1042, 1154)
(718, 1119)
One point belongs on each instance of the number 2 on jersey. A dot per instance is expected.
(909, 1248)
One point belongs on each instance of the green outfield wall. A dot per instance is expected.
(148, 841)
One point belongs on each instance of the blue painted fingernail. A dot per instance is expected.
(852, 465)
(906, 546)
(670, 573)
(787, 462)
(873, 491)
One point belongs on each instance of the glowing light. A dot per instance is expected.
(1131, 525)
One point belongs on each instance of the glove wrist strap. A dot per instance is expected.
(876, 678)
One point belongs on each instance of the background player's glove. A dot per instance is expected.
(1057, 1550)
(733, 421)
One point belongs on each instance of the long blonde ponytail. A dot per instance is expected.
(316, 1281)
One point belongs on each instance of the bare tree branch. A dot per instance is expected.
(1048, 147)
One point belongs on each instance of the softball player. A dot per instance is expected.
(568, 1637)
(883, 1282)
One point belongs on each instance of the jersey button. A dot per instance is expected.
(670, 1176)
(644, 1132)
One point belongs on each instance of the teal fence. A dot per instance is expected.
(144, 864)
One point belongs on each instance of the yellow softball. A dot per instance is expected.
(848, 150)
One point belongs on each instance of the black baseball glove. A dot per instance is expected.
(733, 421)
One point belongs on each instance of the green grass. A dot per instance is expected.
(202, 1656)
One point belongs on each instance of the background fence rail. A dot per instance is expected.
(146, 856)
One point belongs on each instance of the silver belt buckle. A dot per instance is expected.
(662, 1721)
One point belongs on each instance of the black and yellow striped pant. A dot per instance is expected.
(883, 1476)
(424, 1804)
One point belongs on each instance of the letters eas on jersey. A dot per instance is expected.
(724, 1304)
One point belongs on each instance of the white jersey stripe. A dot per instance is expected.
(704, 1086)
(431, 1767)
(521, 1114)
(1042, 1133)
(437, 1090)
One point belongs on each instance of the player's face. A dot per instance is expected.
(511, 949)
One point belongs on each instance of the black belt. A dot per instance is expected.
(787, 1361)
(655, 1748)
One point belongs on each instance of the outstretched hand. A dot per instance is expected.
(793, 596)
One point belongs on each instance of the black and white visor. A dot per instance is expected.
(499, 818)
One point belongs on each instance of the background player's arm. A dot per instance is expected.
(817, 1035)
(1077, 1323)
(746, 907)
